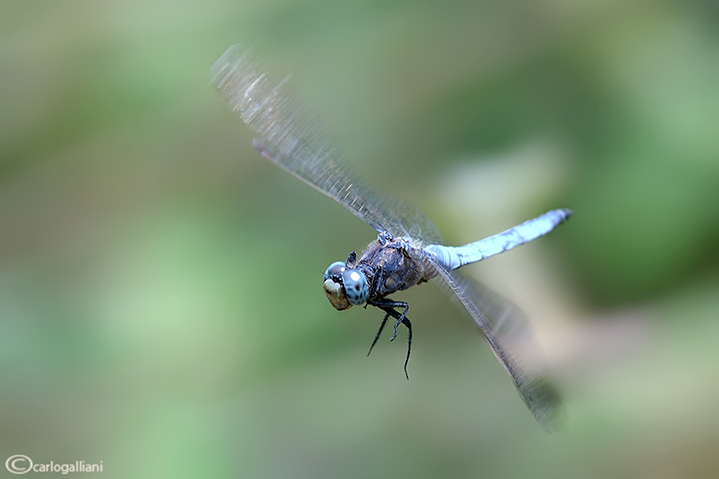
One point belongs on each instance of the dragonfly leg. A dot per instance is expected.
(396, 325)
(381, 327)
(406, 322)
(388, 305)
(377, 282)
(351, 260)
(401, 319)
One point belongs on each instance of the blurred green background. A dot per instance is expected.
(161, 307)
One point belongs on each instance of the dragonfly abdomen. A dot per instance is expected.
(452, 257)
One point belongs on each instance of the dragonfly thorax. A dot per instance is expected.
(345, 287)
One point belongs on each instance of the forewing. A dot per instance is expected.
(510, 335)
(290, 137)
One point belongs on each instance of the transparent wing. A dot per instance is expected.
(290, 137)
(509, 333)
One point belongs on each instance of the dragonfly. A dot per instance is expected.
(408, 250)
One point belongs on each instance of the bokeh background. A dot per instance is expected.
(161, 307)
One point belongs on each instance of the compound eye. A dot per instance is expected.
(335, 269)
(356, 287)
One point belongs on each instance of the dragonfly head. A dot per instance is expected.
(345, 287)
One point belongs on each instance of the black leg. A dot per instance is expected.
(381, 327)
(388, 303)
(406, 322)
(396, 325)
(377, 282)
(351, 259)
(401, 319)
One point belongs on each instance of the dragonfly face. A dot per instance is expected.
(345, 287)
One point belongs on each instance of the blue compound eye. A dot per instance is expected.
(356, 287)
(335, 268)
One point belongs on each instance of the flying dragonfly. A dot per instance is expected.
(408, 249)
